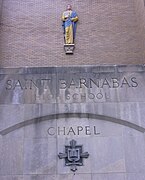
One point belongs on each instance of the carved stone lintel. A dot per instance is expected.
(69, 48)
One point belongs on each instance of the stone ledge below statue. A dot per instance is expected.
(69, 48)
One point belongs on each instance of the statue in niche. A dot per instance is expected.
(69, 18)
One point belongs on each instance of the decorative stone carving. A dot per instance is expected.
(69, 48)
(73, 155)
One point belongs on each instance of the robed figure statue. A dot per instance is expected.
(69, 19)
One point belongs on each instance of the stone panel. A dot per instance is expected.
(59, 177)
(12, 177)
(134, 153)
(34, 130)
(134, 176)
(40, 156)
(81, 85)
(115, 176)
(11, 156)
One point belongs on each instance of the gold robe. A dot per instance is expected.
(69, 17)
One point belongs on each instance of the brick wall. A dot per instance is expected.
(140, 17)
(108, 32)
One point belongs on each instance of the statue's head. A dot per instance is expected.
(69, 7)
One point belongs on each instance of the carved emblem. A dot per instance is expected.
(73, 155)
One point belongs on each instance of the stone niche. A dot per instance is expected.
(101, 108)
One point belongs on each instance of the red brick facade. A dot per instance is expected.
(108, 32)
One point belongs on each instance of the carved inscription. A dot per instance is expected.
(99, 83)
(75, 131)
(27, 84)
(12, 84)
(50, 88)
